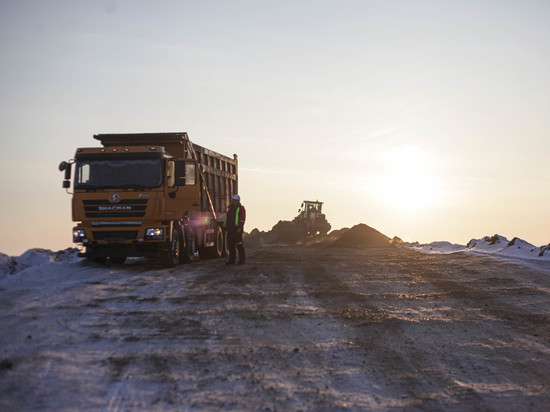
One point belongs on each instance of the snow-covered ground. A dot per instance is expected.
(295, 328)
(497, 246)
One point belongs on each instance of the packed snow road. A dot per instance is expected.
(293, 329)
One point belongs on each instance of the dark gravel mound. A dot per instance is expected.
(359, 236)
(362, 236)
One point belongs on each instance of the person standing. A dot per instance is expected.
(234, 224)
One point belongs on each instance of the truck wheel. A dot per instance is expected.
(188, 251)
(117, 260)
(225, 248)
(216, 251)
(171, 258)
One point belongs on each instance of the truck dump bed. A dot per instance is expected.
(219, 173)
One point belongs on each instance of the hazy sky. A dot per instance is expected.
(427, 120)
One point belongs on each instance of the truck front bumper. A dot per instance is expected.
(151, 250)
(125, 239)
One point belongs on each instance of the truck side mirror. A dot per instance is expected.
(68, 172)
(66, 167)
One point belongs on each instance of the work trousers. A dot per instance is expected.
(235, 241)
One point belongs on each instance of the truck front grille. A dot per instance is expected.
(115, 234)
(125, 208)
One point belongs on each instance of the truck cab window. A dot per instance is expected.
(84, 175)
(190, 171)
(184, 173)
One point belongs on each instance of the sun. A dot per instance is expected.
(407, 193)
(408, 182)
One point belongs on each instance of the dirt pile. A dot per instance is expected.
(359, 236)
(362, 236)
(284, 232)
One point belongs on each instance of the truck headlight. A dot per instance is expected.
(79, 235)
(156, 233)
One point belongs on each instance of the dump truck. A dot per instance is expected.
(155, 195)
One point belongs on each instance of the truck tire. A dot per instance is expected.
(210, 252)
(216, 251)
(171, 257)
(225, 248)
(188, 250)
(117, 260)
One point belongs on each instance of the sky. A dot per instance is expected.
(427, 119)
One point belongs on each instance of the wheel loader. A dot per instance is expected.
(309, 222)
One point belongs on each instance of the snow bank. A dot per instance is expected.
(517, 250)
(436, 247)
(10, 265)
(517, 247)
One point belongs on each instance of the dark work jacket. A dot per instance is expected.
(236, 216)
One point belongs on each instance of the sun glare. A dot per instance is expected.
(407, 183)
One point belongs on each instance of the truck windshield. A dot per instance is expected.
(118, 173)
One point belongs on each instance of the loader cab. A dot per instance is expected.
(310, 208)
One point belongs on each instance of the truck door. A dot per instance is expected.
(182, 188)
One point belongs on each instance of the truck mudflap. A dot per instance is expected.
(210, 235)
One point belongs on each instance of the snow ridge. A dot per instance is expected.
(496, 246)
(501, 246)
(10, 265)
